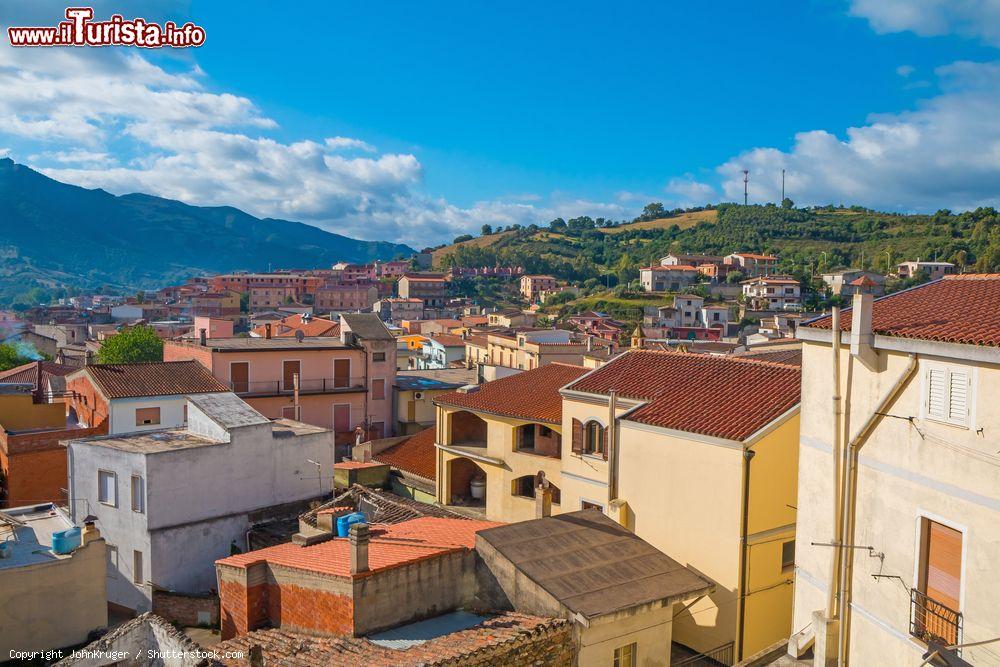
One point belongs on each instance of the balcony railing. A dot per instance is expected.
(307, 386)
(931, 620)
(720, 656)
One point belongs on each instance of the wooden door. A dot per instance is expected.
(239, 376)
(341, 372)
(289, 369)
(342, 418)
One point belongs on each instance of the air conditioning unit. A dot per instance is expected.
(418, 395)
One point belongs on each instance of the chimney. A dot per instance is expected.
(590, 343)
(543, 500)
(202, 337)
(862, 338)
(359, 538)
(267, 330)
(88, 358)
(90, 531)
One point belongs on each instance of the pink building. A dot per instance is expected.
(344, 382)
(214, 327)
(393, 269)
(359, 295)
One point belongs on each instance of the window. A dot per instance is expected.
(587, 505)
(107, 487)
(137, 494)
(147, 416)
(112, 561)
(948, 395)
(137, 567)
(593, 438)
(378, 356)
(378, 389)
(788, 556)
(625, 655)
(936, 601)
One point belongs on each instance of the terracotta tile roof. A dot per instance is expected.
(531, 394)
(31, 372)
(673, 267)
(750, 255)
(791, 357)
(414, 455)
(726, 397)
(956, 309)
(391, 546)
(449, 340)
(313, 326)
(764, 280)
(356, 465)
(283, 648)
(155, 378)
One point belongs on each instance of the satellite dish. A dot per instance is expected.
(299, 335)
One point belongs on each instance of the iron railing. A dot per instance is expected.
(931, 620)
(309, 386)
(724, 655)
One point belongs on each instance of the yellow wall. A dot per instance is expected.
(650, 631)
(18, 412)
(54, 604)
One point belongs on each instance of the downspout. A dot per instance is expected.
(850, 500)
(748, 455)
(838, 411)
(612, 445)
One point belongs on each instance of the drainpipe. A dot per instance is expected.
(612, 445)
(741, 591)
(838, 411)
(850, 499)
(295, 397)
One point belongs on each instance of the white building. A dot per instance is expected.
(766, 293)
(672, 278)
(934, 270)
(921, 504)
(170, 502)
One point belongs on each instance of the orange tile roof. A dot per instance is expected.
(314, 326)
(391, 546)
(415, 455)
(725, 397)
(530, 394)
(955, 309)
(155, 378)
(751, 255)
(355, 465)
(672, 267)
(34, 372)
(449, 340)
(475, 645)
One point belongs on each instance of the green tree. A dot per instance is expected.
(653, 211)
(135, 344)
(787, 203)
(10, 357)
(140, 297)
(463, 237)
(487, 230)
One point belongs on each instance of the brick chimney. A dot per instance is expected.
(90, 532)
(202, 337)
(359, 538)
(267, 330)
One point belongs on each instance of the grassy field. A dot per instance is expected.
(684, 220)
(477, 242)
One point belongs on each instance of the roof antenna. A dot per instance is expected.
(746, 185)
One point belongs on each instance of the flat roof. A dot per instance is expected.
(439, 378)
(33, 529)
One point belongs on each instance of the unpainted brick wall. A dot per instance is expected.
(184, 609)
(34, 465)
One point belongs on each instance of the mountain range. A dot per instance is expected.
(54, 235)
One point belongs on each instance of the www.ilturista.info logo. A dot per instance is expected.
(80, 30)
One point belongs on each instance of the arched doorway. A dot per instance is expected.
(464, 475)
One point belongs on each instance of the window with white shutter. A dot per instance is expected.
(949, 395)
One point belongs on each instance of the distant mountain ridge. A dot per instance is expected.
(53, 235)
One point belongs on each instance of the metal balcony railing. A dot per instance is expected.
(931, 620)
(306, 386)
(719, 656)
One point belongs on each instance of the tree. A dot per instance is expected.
(787, 204)
(735, 277)
(653, 211)
(11, 356)
(463, 237)
(487, 230)
(132, 345)
(140, 297)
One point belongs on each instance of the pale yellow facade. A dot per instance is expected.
(683, 493)
(912, 468)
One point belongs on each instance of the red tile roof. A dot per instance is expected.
(313, 326)
(672, 267)
(956, 309)
(530, 394)
(725, 397)
(391, 546)
(155, 378)
(449, 340)
(356, 465)
(475, 645)
(414, 455)
(31, 372)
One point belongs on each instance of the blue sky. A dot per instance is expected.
(446, 115)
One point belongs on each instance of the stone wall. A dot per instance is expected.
(551, 645)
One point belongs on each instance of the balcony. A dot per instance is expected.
(931, 620)
(315, 386)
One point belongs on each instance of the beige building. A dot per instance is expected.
(494, 440)
(533, 286)
(916, 432)
(50, 597)
(414, 391)
(499, 353)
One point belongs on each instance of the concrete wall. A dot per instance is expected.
(907, 470)
(650, 630)
(122, 413)
(54, 604)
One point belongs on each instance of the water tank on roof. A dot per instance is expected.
(65, 541)
(345, 522)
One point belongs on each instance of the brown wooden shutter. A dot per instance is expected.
(604, 443)
(577, 436)
(944, 564)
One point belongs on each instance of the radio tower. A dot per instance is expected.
(746, 185)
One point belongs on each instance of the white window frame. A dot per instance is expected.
(140, 507)
(100, 488)
(970, 398)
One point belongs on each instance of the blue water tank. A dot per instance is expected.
(65, 541)
(345, 522)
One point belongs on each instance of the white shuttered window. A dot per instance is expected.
(949, 394)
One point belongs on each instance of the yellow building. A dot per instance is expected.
(919, 372)
(414, 391)
(697, 455)
(494, 439)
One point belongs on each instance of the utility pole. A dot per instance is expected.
(746, 185)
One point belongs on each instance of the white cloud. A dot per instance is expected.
(905, 70)
(346, 144)
(944, 154)
(689, 192)
(979, 19)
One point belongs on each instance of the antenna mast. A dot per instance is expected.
(746, 185)
(782, 185)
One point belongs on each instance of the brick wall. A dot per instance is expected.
(551, 645)
(184, 609)
(34, 465)
(90, 406)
